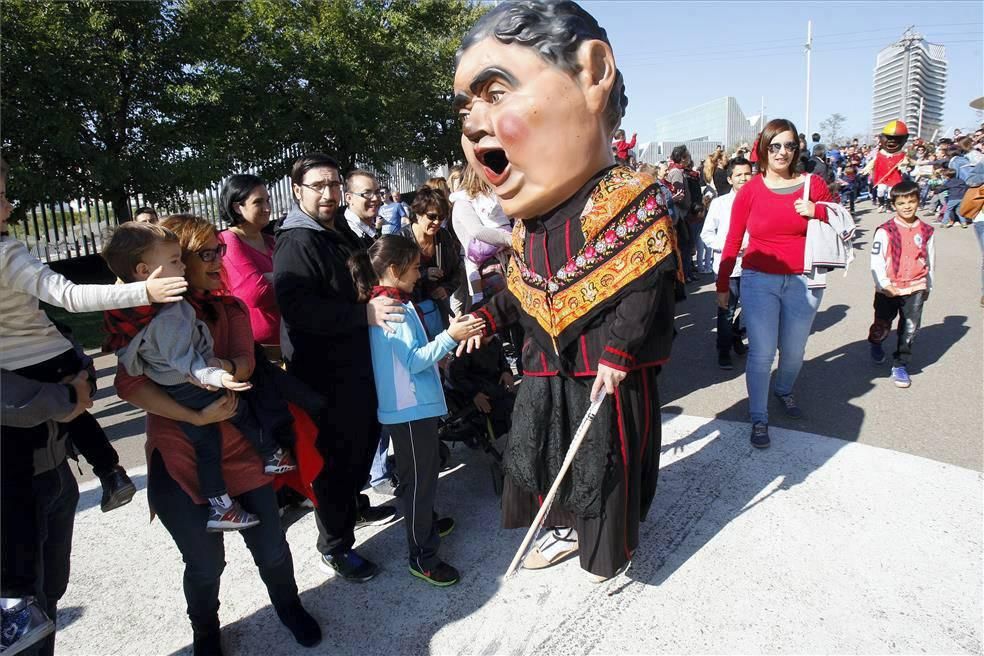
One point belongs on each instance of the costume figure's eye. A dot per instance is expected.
(495, 96)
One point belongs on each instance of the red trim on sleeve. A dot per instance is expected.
(619, 367)
(619, 353)
(490, 321)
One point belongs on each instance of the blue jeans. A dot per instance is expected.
(951, 215)
(705, 255)
(979, 229)
(381, 467)
(779, 312)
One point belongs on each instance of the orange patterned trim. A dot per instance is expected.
(627, 232)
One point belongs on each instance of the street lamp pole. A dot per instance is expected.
(809, 48)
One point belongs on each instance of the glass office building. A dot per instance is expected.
(908, 74)
(702, 128)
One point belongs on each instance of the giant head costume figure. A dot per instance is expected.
(538, 96)
(893, 137)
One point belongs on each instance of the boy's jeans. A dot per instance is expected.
(779, 312)
(908, 309)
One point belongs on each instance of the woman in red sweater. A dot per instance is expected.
(247, 268)
(779, 302)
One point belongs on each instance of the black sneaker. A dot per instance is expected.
(118, 489)
(349, 565)
(724, 361)
(375, 516)
(739, 347)
(789, 405)
(207, 639)
(445, 525)
(299, 622)
(760, 435)
(442, 575)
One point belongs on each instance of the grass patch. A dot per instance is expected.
(87, 327)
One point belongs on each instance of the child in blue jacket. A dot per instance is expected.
(410, 395)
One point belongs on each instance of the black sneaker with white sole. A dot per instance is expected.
(349, 565)
(375, 516)
(442, 575)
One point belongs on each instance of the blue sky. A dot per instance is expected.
(675, 55)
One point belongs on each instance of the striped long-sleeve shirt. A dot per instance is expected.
(27, 335)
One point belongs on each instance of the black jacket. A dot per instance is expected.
(326, 325)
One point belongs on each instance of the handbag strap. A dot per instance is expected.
(806, 186)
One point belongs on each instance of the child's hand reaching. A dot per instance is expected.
(507, 380)
(165, 290)
(219, 363)
(465, 327)
(481, 401)
(229, 382)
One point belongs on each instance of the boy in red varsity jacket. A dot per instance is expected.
(902, 255)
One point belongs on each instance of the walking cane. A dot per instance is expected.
(582, 430)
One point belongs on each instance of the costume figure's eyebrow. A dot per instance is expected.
(486, 74)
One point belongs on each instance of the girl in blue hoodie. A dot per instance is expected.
(410, 396)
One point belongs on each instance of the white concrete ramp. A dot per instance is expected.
(815, 545)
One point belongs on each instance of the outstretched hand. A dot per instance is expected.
(471, 344)
(165, 290)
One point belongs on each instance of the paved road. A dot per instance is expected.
(815, 546)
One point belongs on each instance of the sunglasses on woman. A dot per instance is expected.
(211, 254)
(790, 147)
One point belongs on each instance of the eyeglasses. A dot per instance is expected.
(367, 194)
(790, 146)
(211, 254)
(322, 188)
(434, 217)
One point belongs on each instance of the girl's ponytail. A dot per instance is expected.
(362, 274)
(368, 265)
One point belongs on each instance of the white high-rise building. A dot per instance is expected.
(703, 128)
(910, 74)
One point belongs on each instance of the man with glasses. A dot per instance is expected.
(328, 334)
(363, 200)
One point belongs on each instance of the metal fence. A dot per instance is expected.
(64, 230)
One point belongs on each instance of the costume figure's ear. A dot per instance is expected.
(597, 75)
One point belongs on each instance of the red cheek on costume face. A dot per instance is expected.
(512, 130)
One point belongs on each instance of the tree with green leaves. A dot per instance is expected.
(159, 97)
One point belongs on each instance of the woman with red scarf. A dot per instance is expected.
(172, 481)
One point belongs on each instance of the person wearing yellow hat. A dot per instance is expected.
(885, 167)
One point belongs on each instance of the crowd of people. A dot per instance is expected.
(360, 315)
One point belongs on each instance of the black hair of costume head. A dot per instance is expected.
(555, 29)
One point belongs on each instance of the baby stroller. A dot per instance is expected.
(465, 423)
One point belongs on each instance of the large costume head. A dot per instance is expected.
(893, 136)
(539, 98)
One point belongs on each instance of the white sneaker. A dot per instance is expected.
(553, 546)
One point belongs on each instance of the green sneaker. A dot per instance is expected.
(442, 575)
